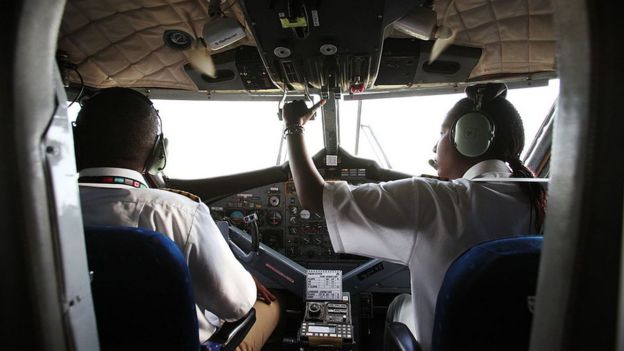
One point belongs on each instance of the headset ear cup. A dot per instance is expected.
(158, 158)
(472, 134)
(165, 154)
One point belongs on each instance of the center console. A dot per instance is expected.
(328, 324)
(327, 321)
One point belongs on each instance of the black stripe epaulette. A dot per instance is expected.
(183, 193)
(433, 177)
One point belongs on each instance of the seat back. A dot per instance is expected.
(486, 299)
(141, 290)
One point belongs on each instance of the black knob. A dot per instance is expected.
(314, 309)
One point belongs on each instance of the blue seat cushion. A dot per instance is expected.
(141, 290)
(486, 299)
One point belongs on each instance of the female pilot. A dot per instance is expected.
(426, 223)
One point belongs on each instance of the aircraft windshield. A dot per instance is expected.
(215, 138)
(400, 133)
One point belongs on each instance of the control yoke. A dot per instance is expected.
(252, 221)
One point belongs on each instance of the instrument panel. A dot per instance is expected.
(283, 224)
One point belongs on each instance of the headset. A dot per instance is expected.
(473, 132)
(157, 160)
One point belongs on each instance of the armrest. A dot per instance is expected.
(401, 338)
(230, 335)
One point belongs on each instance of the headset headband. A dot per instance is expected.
(85, 100)
(482, 94)
(157, 159)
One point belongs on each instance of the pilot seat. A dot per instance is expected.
(486, 300)
(143, 296)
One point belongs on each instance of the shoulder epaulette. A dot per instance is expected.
(433, 177)
(183, 193)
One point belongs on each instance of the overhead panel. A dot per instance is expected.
(311, 41)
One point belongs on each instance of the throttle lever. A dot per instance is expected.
(252, 221)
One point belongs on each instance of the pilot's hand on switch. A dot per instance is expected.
(263, 293)
(298, 113)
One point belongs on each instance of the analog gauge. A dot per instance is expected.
(274, 218)
(274, 201)
(236, 217)
(304, 214)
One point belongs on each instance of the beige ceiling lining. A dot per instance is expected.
(115, 42)
(516, 35)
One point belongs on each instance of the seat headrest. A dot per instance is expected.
(486, 299)
(141, 289)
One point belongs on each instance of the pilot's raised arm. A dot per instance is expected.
(308, 181)
(426, 223)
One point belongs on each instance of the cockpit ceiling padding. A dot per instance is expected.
(120, 42)
(516, 35)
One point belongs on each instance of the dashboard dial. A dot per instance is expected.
(293, 210)
(304, 214)
(274, 218)
(274, 201)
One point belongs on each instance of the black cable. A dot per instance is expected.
(82, 86)
(229, 6)
(215, 9)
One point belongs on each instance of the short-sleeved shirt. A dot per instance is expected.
(223, 289)
(425, 224)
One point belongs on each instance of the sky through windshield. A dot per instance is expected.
(214, 138)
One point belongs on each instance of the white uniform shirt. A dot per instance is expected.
(425, 224)
(223, 289)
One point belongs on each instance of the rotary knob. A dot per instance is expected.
(314, 309)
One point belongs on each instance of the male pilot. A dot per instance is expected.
(118, 140)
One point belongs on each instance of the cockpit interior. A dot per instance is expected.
(347, 53)
(298, 49)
